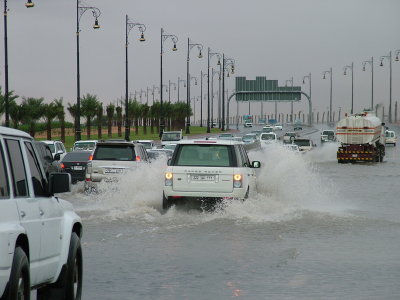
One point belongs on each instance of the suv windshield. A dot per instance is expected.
(171, 137)
(114, 152)
(204, 155)
(327, 132)
(302, 142)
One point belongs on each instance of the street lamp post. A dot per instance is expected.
(226, 63)
(309, 81)
(213, 72)
(209, 56)
(6, 90)
(189, 48)
(169, 89)
(201, 97)
(184, 85)
(330, 94)
(389, 57)
(164, 37)
(371, 62)
(291, 103)
(128, 27)
(80, 10)
(155, 88)
(345, 68)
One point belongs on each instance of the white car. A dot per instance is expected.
(248, 124)
(111, 160)
(278, 126)
(40, 234)
(292, 147)
(209, 170)
(86, 145)
(304, 144)
(268, 128)
(171, 137)
(57, 147)
(268, 138)
(148, 144)
(390, 137)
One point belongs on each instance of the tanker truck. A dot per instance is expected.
(361, 137)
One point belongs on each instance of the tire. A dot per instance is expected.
(19, 283)
(69, 284)
(166, 204)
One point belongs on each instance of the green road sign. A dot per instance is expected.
(261, 84)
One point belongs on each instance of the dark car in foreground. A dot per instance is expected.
(75, 163)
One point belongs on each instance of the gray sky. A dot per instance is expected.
(273, 38)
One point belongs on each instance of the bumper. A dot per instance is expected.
(237, 193)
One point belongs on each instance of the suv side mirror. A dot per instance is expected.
(255, 164)
(59, 183)
(57, 157)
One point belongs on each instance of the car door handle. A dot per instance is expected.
(22, 214)
(41, 212)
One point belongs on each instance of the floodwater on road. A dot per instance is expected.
(315, 230)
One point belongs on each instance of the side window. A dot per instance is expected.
(4, 187)
(19, 181)
(38, 181)
(58, 147)
(47, 154)
(238, 156)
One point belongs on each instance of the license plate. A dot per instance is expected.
(203, 178)
(355, 155)
(78, 168)
(112, 171)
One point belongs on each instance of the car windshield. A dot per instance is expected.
(76, 156)
(204, 155)
(268, 137)
(52, 148)
(171, 137)
(389, 134)
(302, 142)
(267, 129)
(84, 145)
(115, 152)
(328, 132)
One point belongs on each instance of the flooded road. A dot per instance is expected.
(316, 230)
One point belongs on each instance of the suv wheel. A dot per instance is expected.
(166, 203)
(69, 284)
(19, 284)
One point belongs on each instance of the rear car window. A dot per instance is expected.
(204, 155)
(76, 156)
(115, 152)
(84, 145)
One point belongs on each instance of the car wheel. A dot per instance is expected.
(69, 284)
(19, 284)
(166, 203)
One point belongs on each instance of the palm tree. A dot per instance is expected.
(32, 109)
(11, 98)
(61, 116)
(180, 112)
(145, 112)
(168, 114)
(134, 109)
(119, 120)
(155, 114)
(89, 104)
(50, 111)
(16, 113)
(99, 113)
(110, 114)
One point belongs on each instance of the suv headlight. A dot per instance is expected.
(168, 179)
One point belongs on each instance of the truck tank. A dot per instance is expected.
(364, 128)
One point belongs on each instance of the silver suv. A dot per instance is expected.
(110, 160)
(40, 234)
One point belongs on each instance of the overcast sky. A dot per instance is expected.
(273, 38)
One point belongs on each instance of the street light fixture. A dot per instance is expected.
(210, 55)
(189, 48)
(164, 37)
(330, 94)
(389, 57)
(371, 62)
(345, 68)
(6, 90)
(80, 10)
(128, 27)
(226, 63)
(309, 81)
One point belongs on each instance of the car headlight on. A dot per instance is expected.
(237, 181)
(168, 179)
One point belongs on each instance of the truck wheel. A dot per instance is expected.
(166, 204)
(19, 284)
(73, 288)
(69, 284)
